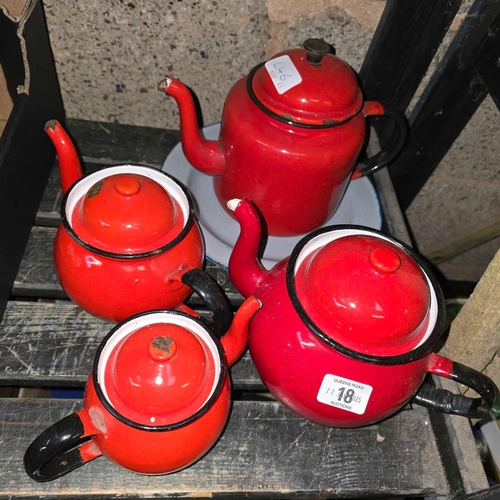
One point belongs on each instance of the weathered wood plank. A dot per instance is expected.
(265, 451)
(37, 276)
(47, 344)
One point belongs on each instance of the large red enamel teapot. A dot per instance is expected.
(347, 326)
(157, 398)
(291, 136)
(128, 240)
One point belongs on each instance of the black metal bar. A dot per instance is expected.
(404, 43)
(448, 102)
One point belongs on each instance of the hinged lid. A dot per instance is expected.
(160, 374)
(308, 86)
(365, 293)
(127, 213)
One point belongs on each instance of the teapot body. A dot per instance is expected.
(313, 379)
(283, 168)
(115, 285)
(158, 451)
(116, 288)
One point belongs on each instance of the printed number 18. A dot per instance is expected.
(348, 396)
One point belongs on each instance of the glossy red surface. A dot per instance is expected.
(296, 176)
(162, 371)
(328, 93)
(127, 213)
(365, 293)
(301, 370)
(150, 451)
(116, 288)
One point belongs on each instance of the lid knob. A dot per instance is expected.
(385, 259)
(162, 348)
(127, 186)
(315, 49)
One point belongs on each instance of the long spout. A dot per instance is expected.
(234, 341)
(205, 156)
(70, 169)
(245, 270)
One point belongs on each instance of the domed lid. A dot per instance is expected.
(365, 293)
(127, 213)
(308, 86)
(160, 374)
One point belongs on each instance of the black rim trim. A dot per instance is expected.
(399, 359)
(206, 406)
(113, 255)
(270, 113)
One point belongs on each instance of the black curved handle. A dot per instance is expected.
(213, 297)
(457, 404)
(56, 451)
(392, 148)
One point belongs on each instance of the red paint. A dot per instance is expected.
(187, 381)
(293, 361)
(295, 176)
(117, 262)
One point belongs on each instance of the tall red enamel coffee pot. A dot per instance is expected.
(291, 136)
(156, 401)
(128, 240)
(348, 325)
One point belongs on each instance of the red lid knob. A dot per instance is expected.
(365, 293)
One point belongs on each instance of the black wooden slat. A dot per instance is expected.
(402, 48)
(449, 101)
(47, 344)
(122, 143)
(26, 156)
(37, 276)
(264, 452)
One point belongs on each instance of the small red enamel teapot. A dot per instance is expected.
(347, 326)
(291, 135)
(157, 398)
(128, 240)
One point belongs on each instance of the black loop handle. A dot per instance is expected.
(55, 451)
(213, 297)
(392, 148)
(457, 404)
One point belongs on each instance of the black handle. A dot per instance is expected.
(53, 454)
(213, 297)
(392, 148)
(457, 404)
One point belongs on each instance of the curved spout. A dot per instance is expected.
(245, 270)
(234, 341)
(205, 156)
(70, 169)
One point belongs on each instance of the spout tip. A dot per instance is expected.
(51, 125)
(233, 204)
(164, 84)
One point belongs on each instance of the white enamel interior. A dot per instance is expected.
(325, 238)
(81, 188)
(141, 321)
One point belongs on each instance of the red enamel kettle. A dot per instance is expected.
(291, 136)
(347, 326)
(157, 398)
(128, 240)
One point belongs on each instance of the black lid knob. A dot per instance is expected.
(316, 48)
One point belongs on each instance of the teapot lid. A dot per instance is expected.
(160, 374)
(365, 293)
(127, 213)
(307, 87)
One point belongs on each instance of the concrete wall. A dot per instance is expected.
(111, 55)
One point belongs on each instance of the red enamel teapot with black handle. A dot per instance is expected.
(291, 136)
(128, 241)
(347, 326)
(157, 398)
